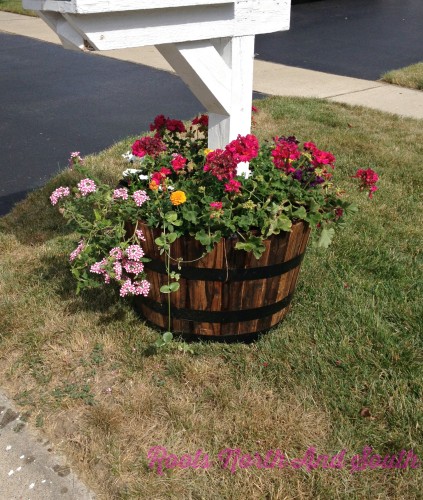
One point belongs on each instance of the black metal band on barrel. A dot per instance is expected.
(224, 275)
(218, 316)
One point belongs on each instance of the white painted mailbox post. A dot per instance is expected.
(209, 43)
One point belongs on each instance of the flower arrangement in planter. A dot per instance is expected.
(184, 212)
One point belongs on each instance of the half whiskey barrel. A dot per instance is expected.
(227, 294)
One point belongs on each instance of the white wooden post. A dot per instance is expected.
(220, 74)
(209, 43)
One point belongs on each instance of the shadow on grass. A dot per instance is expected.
(33, 221)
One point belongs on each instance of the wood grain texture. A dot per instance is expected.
(229, 295)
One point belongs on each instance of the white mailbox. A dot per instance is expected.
(209, 43)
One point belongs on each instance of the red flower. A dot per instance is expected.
(322, 158)
(159, 124)
(220, 164)
(202, 121)
(286, 150)
(178, 162)
(159, 177)
(233, 186)
(243, 148)
(216, 205)
(175, 126)
(152, 146)
(368, 179)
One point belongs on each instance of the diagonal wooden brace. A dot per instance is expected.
(219, 72)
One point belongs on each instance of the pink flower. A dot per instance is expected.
(98, 268)
(136, 288)
(121, 193)
(178, 162)
(233, 186)
(127, 288)
(216, 205)
(77, 251)
(132, 266)
(134, 252)
(58, 193)
(139, 234)
(140, 197)
(141, 288)
(116, 253)
(75, 159)
(117, 268)
(86, 186)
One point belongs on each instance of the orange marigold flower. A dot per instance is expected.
(178, 197)
(153, 186)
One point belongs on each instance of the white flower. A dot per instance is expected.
(128, 156)
(130, 171)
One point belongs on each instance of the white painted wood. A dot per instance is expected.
(70, 38)
(153, 27)
(115, 27)
(96, 6)
(223, 128)
(203, 70)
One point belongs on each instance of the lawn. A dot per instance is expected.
(342, 371)
(15, 6)
(411, 76)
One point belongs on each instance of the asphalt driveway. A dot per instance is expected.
(358, 38)
(54, 101)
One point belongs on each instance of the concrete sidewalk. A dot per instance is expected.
(29, 468)
(269, 78)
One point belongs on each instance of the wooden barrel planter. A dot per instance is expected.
(228, 294)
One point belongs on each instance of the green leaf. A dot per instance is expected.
(165, 289)
(171, 237)
(281, 223)
(252, 244)
(326, 237)
(203, 237)
(300, 213)
(167, 337)
(160, 241)
(171, 217)
(190, 216)
(174, 286)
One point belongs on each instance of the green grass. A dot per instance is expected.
(15, 6)
(411, 76)
(84, 367)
